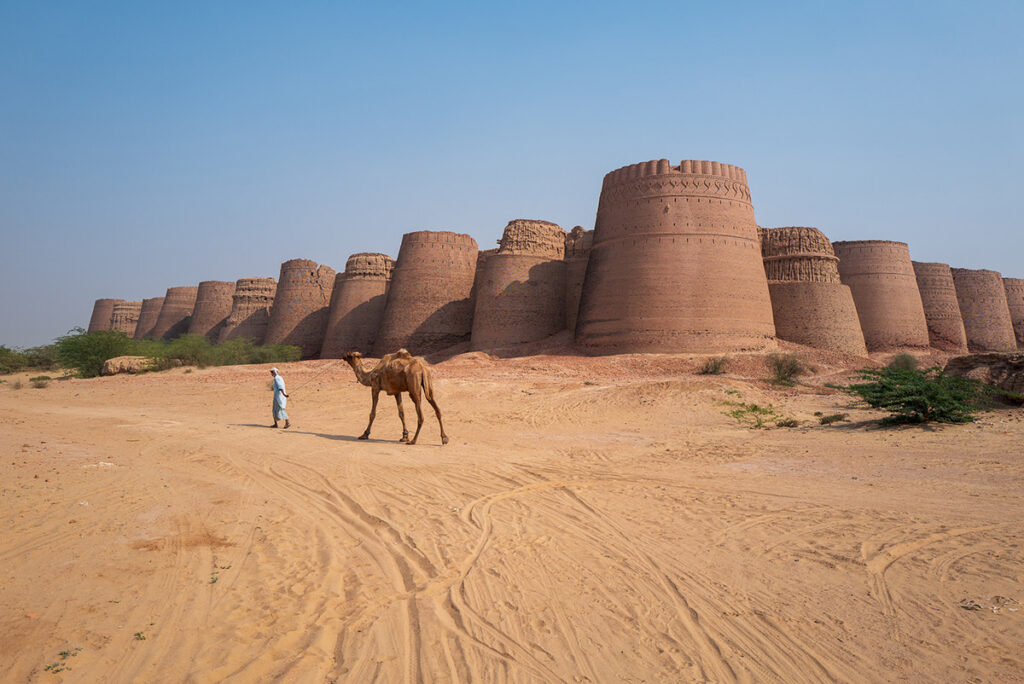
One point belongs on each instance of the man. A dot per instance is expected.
(280, 399)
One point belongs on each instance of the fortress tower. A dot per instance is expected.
(982, 300)
(675, 264)
(577, 253)
(250, 310)
(357, 305)
(884, 288)
(941, 310)
(430, 305)
(809, 303)
(102, 311)
(175, 312)
(126, 317)
(299, 315)
(520, 295)
(213, 306)
(1015, 300)
(148, 317)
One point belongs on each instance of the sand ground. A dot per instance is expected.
(592, 520)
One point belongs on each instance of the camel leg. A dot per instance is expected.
(373, 414)
(437, 410)
(401, 417)
(417, 399)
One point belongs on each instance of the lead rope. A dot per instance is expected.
(324, 370)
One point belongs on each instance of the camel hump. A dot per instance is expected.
(402, 354)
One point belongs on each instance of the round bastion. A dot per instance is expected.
(881, 278)
(125, 317)
(299, 314)
(148, 317)
(250, 310)
(809, 304)
(577, 253)
(429, 303)
(986, 313)
(520, 295)
(102, 313)
(357, 305)
(175, 313)
(213, 306)
(941, 309)
(675, 264)
(1015, 302)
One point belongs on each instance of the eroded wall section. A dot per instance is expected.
(250, 310)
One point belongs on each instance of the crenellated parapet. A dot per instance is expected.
(798, 254)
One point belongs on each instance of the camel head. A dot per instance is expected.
(351, 356)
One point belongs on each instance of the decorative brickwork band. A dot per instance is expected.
(175, 313)
(884, 288)
(148, 317)
(301, 306)
(357, 305)
(982, 299)
(941, 309)
(429, 304)
(521, 295)
(250, 310)
(213, 306)
(125, 317)
(102, 313)
(675, 264)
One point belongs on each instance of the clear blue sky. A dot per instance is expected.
(146, 145)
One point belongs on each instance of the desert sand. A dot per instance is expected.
(592, 520)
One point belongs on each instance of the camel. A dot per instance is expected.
(396, 373)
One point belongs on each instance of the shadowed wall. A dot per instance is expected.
(1015, 302)
(175, 312)
(125, 317)
(986, 314)
(148, 317)
(299, 314)
(577, 253)
(213, 306)
(357, 305)
(941, 309)
(102, 311)
(250, 310)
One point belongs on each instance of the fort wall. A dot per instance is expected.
(521, 295)
(250, 310)
(102, 311)
(148, 317)
(1015, 302)
(809, 304)
(125, 317)
(986, 313)
(429, 304)
(213, 306)
(301, 306)
(577, 253)
(175, 313)
(675, 264)
(881, 278)
(357, 305)
(941, 309)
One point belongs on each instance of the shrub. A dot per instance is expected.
(832, 418)
(11, 360)
(715, 366)
(787, 423)
(903, 362)
(785, 368)
(919, 396)
(85, 352)
(40, 381)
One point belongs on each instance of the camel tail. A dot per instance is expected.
(428, 385)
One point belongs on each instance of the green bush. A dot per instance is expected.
(41, 358)
(85, 352)
(40, 381)
(919, 396)
(715, 366)
(903, 362)
(11, 360)
(785, 368)
(833, 418)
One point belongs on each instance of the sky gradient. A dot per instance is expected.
(147, 145)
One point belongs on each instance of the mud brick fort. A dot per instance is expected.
(675, 263)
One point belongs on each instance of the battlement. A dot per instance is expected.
(872, 244)
(369, 265)
(1015, 285)
(533, 238)
(657, 167)
(443, 238)
(250, 287)
(794, 240)
(925, 269)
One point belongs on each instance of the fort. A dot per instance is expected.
(250, 310)
(430, 301)
(175, 313)
(148, 317)
(125, 317)
(520, 295)
(1015, 302)
(213, 306)
(809, 304)
(675, 264)
(577, 254)
(941, 309)
(986, 314)
(102, 312)
(881, 277)
(301, 305)
(357, 305)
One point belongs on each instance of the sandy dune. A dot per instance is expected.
(594, 520)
